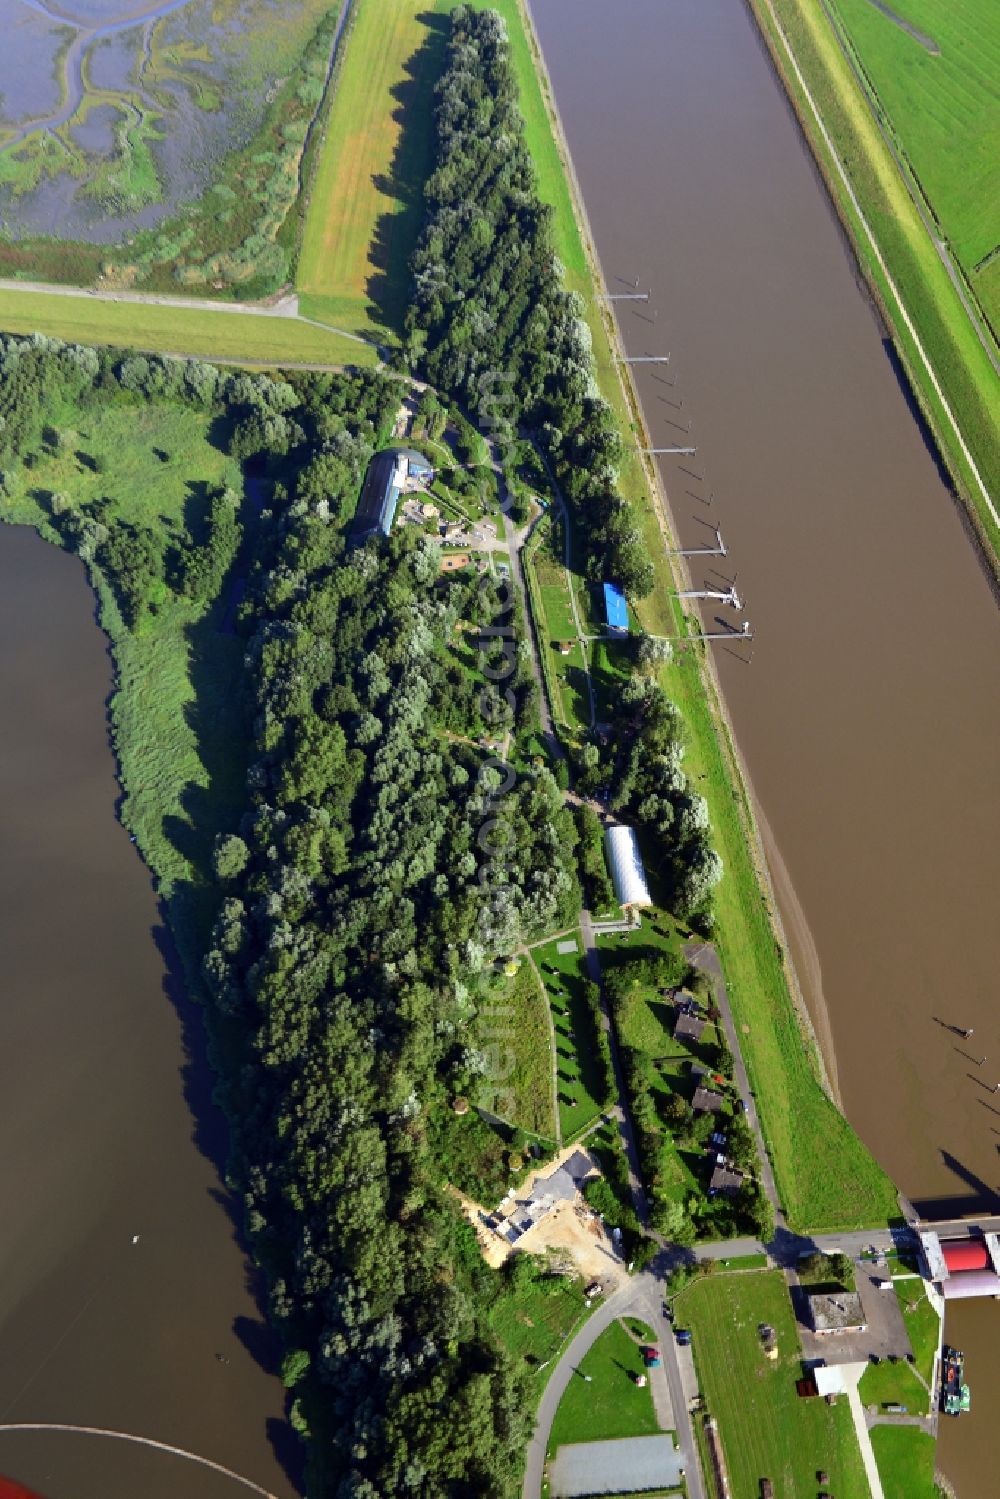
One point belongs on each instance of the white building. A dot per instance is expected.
(625, 863)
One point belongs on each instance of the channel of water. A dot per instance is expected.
(870, 714)
(106, 1117)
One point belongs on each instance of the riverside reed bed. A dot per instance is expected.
(952, 346)
(176, 723)
(826, 1176)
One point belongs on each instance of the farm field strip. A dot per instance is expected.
(944, 107)
(365, 205)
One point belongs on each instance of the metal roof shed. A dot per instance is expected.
(625, 862)
(615, 607)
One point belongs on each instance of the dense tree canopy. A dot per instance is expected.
(491, 323)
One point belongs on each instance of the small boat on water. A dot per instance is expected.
(954, 1390)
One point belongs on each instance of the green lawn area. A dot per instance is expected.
(564, 976)
(208, 333)
(767, 1430)
(922, 1323)
(366, 198)
(944, 109)
(514, 1030)
(905, 1458)
(533, 1322)
(610, 670)
(889, 1384)
(611, 1404)
(175, 723)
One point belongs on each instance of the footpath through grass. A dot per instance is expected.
(366, 198)
(154, 328)
(767, 1430)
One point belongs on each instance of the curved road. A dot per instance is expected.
(642, 1297)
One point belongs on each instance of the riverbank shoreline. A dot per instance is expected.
(675, 570)
(932, 392)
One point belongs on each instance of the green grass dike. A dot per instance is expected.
(887, 105)
(826, 1177)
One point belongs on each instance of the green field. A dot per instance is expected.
(610, 1404)
(905, 1458)
(944, 109)
(366, 206)
(155, 328)
(515, 1034)
(536, 1316)
(949, 346)
(564, 976)
(767, 1430)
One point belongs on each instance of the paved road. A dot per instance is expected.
(703, 955)
(864, 1441)
(641, 1297)
(619, 1112)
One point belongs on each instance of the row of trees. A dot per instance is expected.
(491, 323)
(360, 897)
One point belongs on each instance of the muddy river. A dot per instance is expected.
(105, 1115)
(870, 714)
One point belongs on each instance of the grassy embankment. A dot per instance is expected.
(154, 328)
(365, 206)
(964, 411)
(825, 1175)
(905, 1458)
(175, 723)
(767, 1431)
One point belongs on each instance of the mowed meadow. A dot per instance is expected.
(941, 93)
(366, 197)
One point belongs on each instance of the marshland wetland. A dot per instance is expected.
(127, 126)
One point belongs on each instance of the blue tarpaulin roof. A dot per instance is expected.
(615, 607)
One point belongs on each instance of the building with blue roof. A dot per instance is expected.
(390, 473)
(615, 608)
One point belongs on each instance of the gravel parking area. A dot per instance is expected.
(628, 1466)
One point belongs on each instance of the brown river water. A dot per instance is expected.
(106, 1122)
(869, 717)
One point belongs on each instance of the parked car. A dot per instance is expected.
(683, 1336)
